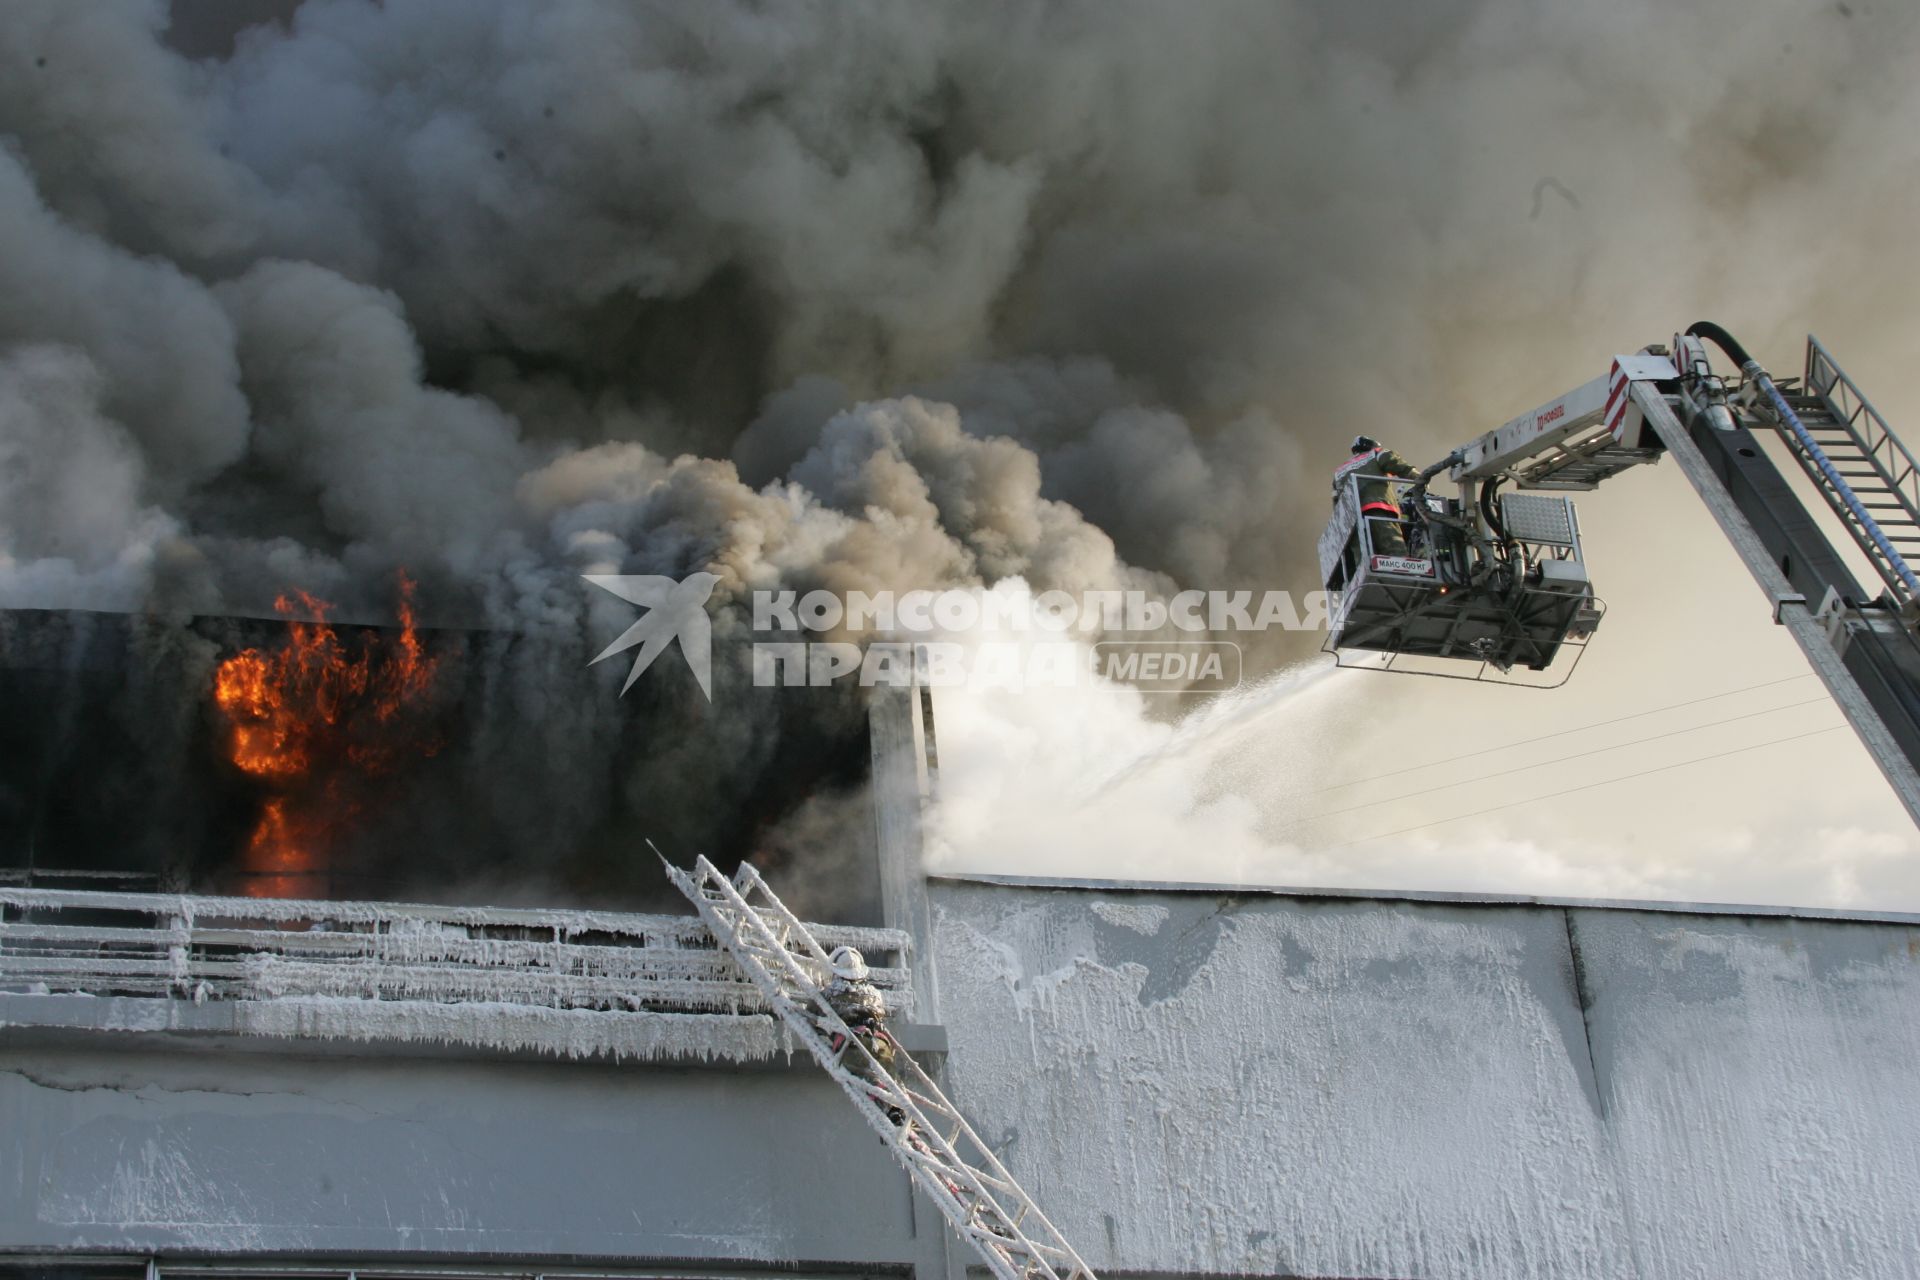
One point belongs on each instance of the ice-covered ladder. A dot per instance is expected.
(934, 1143)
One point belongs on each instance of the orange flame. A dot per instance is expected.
(282, 860)
(307, 718)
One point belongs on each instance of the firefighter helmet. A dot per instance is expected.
(849, 964)
(1362, 444)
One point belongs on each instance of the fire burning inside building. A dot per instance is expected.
(320, 723)
(308, 756)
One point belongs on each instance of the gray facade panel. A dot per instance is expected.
(1280, 1085)
(132, 1149)
(1760, 1087)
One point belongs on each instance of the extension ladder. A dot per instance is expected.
(1859, 466)
(933, 1142)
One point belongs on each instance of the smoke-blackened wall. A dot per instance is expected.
(841, 295)
(114, 758)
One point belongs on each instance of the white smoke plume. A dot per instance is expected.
(852, 295)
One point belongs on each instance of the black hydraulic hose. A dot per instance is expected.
(1415, 503)
(1489, 511)
(1420, 481)
(1722, 339)
(1416, 494)
(1869, 528)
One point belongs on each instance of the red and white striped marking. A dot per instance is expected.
(1618, 385)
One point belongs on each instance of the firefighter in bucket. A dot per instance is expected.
(1374, 462)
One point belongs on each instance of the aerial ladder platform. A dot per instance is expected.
(932, 1141)
(1499, 580)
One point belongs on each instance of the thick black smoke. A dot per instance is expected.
(856, 295)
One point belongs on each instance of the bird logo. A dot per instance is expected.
(675, 611)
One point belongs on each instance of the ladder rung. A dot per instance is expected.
(938, 1105)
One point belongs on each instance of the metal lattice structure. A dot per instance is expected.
(1861, 468)
(1531, 517)
(933, 1141)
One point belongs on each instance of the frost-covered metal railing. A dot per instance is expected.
(927, 1134)
(210, 949)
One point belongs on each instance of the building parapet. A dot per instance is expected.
(1447, 897)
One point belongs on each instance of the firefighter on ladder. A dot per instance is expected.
(864, 1010)
(1374, 463)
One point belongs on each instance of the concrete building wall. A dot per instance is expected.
(1315, 1086)
(198, 1150)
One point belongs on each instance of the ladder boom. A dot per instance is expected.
(1573, 442)
(933, 1142)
